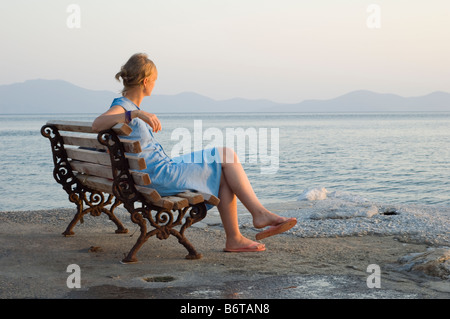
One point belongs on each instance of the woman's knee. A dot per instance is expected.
(228, 155)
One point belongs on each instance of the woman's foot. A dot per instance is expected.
(275, 224)
(277, 229)
(267, 219)
(243, 244)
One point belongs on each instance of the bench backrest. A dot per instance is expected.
(90, 161)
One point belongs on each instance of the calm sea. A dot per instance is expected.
(385, 157)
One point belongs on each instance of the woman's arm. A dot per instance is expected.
(116, 114)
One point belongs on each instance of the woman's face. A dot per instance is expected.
(149, 83)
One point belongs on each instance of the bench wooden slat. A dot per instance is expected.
(196, 197)
(96, 183)
(139, 178)
(102, 158)
(86, 127)
(130, 146)
(171, 202)
(178, 202)
(193, 198)
(150, 194)
(106, 185)
(210, 199)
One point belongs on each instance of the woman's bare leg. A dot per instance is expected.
(228, 213)
(239, 185)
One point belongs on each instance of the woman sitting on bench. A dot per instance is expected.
(224, 177)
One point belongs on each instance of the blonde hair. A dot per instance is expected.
(133, 73)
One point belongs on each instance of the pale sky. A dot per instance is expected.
(281, 50)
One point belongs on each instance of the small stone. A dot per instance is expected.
(95, 249)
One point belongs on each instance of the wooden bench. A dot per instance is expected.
(101, 171)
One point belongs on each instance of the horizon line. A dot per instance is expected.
(234, 98)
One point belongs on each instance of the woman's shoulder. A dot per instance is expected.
(124, 102)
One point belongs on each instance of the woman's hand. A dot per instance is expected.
(149, 118)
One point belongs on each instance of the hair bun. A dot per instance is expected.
(133, 73)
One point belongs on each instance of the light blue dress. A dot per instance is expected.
(198, 171)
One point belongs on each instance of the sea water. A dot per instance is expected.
(398, 158)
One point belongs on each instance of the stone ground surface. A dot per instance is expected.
(34, 257)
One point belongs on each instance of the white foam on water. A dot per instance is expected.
(324, 213)
(314, 194)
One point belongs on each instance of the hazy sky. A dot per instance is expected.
(282, 50)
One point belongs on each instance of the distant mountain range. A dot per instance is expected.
(56, 96)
